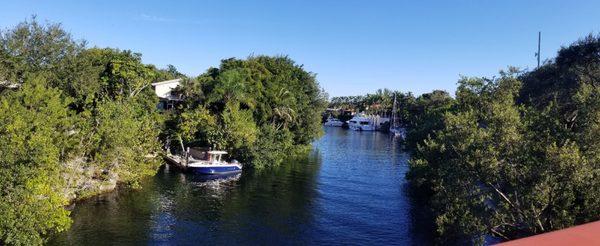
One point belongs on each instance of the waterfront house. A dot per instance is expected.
(164, 90)
(8, 85)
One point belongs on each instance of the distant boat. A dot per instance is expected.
(333, 122)
(204, 162)
(361, 122)
(395, 127)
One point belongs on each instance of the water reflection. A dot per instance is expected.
(348, 190)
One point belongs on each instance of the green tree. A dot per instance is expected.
(78, 122)
(425, 115)
(253, 105)
(35, 137)
(500, 168)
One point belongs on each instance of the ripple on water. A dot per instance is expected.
(348, 191)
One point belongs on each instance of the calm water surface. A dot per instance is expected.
(349, 190)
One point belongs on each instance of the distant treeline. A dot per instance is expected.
(75, 121)
(416, 114)
(509, 156)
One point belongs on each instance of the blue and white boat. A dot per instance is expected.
(205, 162)
(213, 165)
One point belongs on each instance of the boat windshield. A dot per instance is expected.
(216, 157)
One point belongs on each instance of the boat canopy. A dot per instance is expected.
(217, 152)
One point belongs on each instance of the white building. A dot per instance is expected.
(9, 85)
(163, 91)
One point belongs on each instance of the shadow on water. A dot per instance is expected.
(254, 208)
(423, 226)
(349, 190)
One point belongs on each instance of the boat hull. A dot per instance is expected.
(362, 127)
(215, 170)
(334, 124)
(210, 177)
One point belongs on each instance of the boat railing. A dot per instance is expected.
(199, 153)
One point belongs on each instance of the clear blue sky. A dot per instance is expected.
(355, 47)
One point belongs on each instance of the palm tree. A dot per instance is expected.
(231, 86)
(283, 114)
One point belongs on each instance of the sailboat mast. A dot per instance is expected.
(394, 113)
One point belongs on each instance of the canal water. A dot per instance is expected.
(350, 190)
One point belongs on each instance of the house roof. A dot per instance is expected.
(167, 82)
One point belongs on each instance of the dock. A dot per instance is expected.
(176, 161)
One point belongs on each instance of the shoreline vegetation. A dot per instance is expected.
(77, 121)
(509, 156)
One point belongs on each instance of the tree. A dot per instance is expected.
(425, 115)
(33, 48)
(78, 121)
(496, 167)
(259, 109)
(34, 140)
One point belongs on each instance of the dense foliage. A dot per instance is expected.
(34, 139)
(424, 115)
(260, 109)
(379, 102)
(516, 155)
(74, 121)
(507, 157)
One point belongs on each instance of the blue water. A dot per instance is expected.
(350, 190)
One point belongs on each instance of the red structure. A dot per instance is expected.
(586, 234)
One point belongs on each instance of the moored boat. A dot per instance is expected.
(204, 162)
(333, 122)
(361, 122)
(213, 165)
